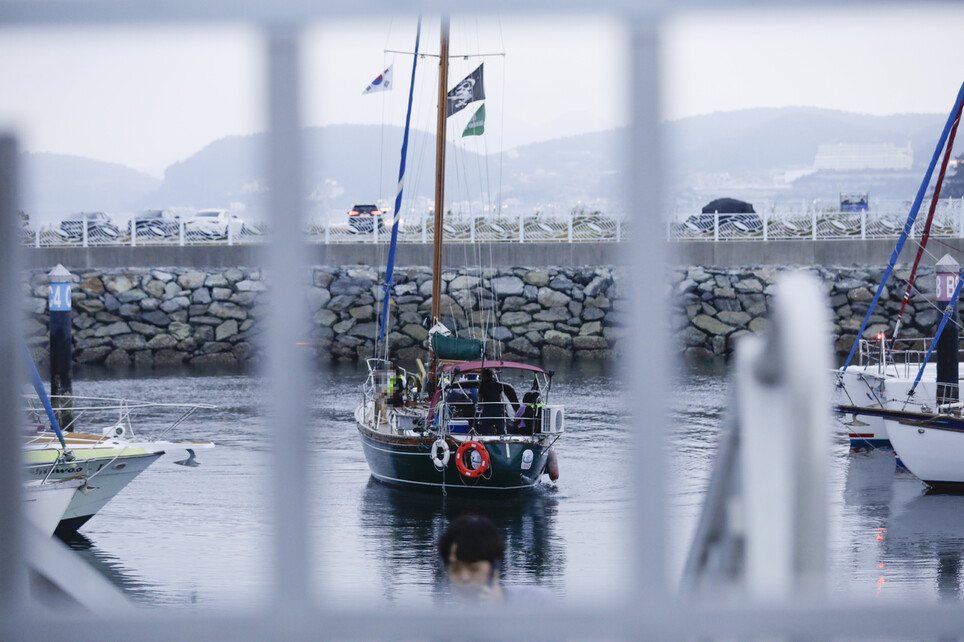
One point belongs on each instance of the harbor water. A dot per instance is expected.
(201, 537)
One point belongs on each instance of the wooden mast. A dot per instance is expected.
(440, 181)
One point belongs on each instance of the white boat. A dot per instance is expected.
(109, 460)
(44, 503)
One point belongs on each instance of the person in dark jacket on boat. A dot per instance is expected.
(472, 551)
(492, 408)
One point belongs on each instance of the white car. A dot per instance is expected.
(214, 224)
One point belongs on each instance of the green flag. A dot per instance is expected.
(476, 126)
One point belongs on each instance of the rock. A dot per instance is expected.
(180, 331)
(117, 283)
(221, 294)
(113, 329)
(317, 298)
(464, 282)
(227, 310)
(233, 275)
(417, 332)
(512, 319)
(552, 315)
(162, 342)
(593, 327)
(362, 313)
(157, 317)
(117, 359)
(201, 295)
(324, 318)
(711, 325)
(860, 294)
(131, 341)
(747, 286)
(758, 325)
(176, 303)
(594, 355)
(164, 358)
(143, 359)
(505, 286)
(162, 276)
(250, 286)
(93, 355)
(691, 336)
(217, 359)
(589, 343)
(561, 283)
(88, 305)
(556, 338)
(523, 346)
(192, 280)
(734, 318)
(549, 298)
(92, 285)
(593, 314)
(555, 353)
(538, 278)
(500, 333)
(215, 281)
(349, 286)
(149, 304)
(227, 329)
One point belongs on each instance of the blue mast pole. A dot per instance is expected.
(909, 225)
(390, 267)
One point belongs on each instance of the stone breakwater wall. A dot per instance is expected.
(714, 307)
(175, 316)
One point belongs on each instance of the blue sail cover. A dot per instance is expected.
(390, 266)
(909, 225)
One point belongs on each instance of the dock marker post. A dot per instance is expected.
(61, 346)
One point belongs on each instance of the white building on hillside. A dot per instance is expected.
(844, 156)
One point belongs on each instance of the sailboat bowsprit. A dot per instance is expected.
(462, 427)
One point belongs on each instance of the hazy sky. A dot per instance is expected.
(149, 97)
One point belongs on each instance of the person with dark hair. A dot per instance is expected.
(492, 411)
(472, 551)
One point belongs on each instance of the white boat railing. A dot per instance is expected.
(902, 357)
(110, 417)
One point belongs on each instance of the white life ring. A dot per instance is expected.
(443, 461)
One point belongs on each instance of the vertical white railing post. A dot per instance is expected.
(84, 220)
(286, 364)
(863, 224)
(230, 234)
(646, 255)
(13, 570)
(36, 236)
(133, 226)
(180, 232)
(423, 227)
(522, 228)
(619, 230)
(716, 226)
(327, 231)
(569, 230)
(472, 228)
(813, 224)
(766, 225)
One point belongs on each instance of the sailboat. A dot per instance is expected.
(460, 426)
(877, 383)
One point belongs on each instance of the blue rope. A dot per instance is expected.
(390, 267)
(909, 225)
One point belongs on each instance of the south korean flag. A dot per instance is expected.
(382, 83)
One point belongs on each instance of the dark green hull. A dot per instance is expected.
(407, 463)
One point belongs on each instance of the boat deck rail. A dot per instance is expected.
(107, 416)
(902, 357)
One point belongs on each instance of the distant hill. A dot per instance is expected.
(347, 164)
(55, 185)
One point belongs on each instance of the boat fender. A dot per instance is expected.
(552, 465)
(478, 448)
(443, 461)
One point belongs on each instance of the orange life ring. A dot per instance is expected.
(483, 455)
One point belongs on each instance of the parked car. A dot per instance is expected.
(214, 224)
(732, 212)
(159, 223)
(99, 226)
(362, 218)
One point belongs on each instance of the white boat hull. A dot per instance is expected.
(935, 455)
(45, 504)
(106, 475)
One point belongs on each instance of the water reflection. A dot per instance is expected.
(111, 568)
(404, 527)
(927, 533)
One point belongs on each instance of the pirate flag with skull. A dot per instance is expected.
(469, 90)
